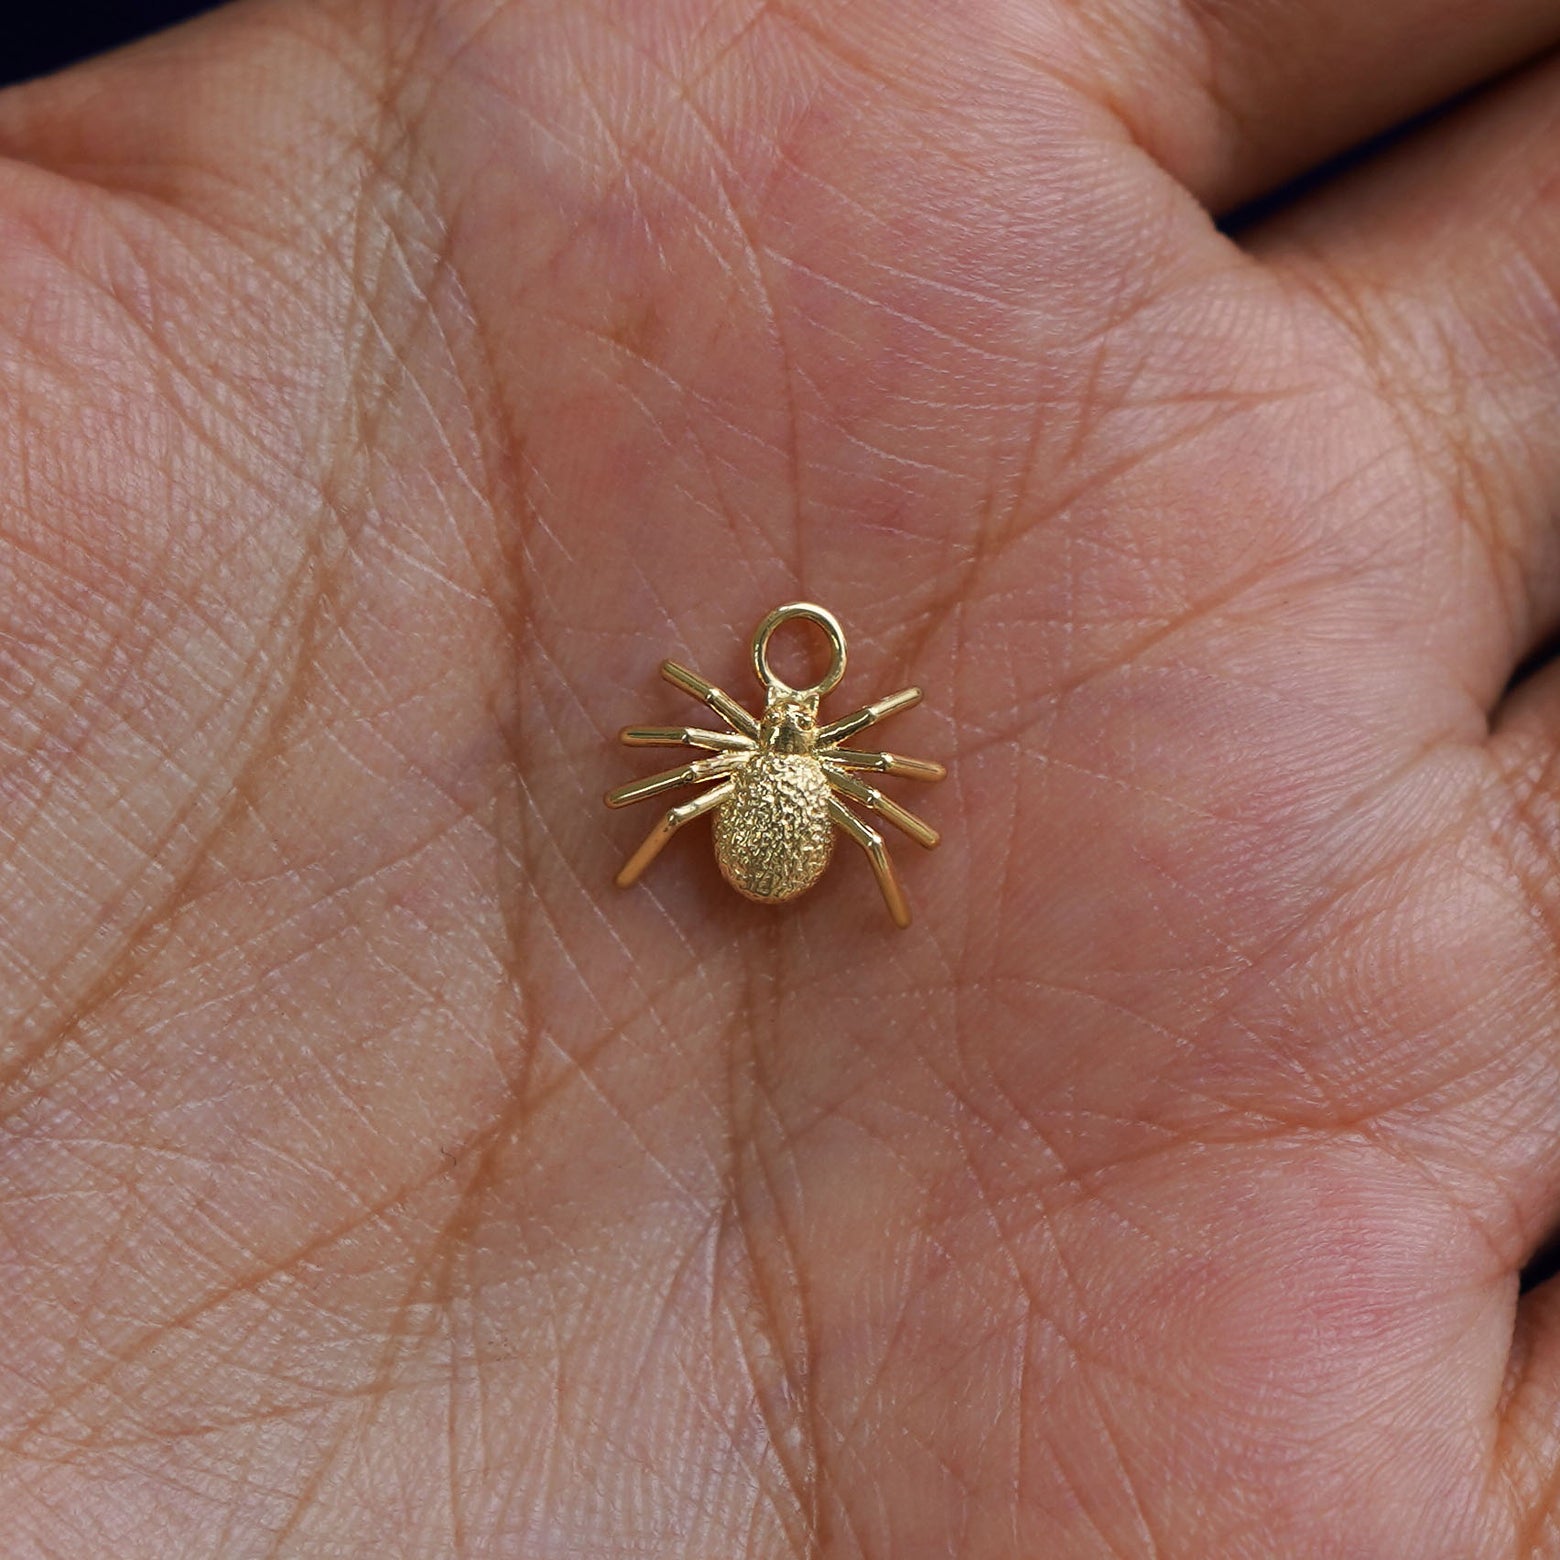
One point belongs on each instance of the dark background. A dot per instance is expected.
(42, 35)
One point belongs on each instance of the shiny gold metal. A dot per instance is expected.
(784, 779)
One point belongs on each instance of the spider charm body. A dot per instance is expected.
(783, 780)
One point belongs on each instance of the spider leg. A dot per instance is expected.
(722, 703)
(883, 763)
(666, 828)
(869, 796)
(849, 725)
(670, 779)
(684, 736)
(877, 853)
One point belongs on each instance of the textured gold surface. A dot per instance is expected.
(773, 834)
(782, 778)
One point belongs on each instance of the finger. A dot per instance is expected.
(1530, 1438)
(198, 113)
(1441, 258)
(1233, 98)
(1440, 263)
(1236, 98)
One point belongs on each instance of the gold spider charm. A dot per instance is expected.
(784, 779)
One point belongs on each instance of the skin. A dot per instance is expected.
(386, 388)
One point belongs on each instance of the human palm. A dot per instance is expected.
(388, 388)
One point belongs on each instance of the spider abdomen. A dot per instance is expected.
(773, 834)
(781, 780)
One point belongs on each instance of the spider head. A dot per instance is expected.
(790, 723)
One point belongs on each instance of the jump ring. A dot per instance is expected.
(833, 632)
